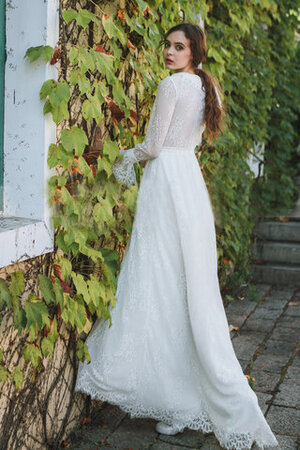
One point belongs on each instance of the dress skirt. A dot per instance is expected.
(168, 354)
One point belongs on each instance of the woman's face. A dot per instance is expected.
(177, 52)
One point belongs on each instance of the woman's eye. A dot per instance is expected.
(179, 47)
(166, 44)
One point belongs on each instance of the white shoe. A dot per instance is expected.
(164, 428)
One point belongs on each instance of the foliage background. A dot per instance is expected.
(109, 67)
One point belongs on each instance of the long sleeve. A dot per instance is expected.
(157, 129)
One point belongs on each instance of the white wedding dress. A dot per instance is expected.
(168, 354)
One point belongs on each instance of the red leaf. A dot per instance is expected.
(66, 288)
(86, 420)
(121, 15)
(88, 312)
(129, 44)
(100, 49)
(133, 114)
(58, 271)
(55, 56)
(117, 114)
(58, 312)
(92, 167)
(130, 123)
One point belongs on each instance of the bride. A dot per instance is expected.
(168, 354)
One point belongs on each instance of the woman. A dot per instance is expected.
(168, 354)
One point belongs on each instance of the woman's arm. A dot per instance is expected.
(157, 129)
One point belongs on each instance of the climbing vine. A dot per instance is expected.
(100, 103)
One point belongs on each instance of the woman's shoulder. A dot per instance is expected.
(186, 79)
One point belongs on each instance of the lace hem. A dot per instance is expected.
(124, 170)
(201, 422)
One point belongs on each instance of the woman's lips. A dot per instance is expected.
(169, 61)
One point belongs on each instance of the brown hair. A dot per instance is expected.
(213, 113)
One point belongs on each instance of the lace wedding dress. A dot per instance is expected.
(168, 354)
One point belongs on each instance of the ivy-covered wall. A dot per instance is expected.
(109, 66)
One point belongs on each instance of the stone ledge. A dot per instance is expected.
(22, 238)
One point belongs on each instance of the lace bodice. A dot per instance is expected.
(176, 121)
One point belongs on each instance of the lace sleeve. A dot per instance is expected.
(157, 129)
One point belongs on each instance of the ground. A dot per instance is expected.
(268, 336)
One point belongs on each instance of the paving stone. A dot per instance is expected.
(288, 442)
(289, 322)
(189, 438)
(110, 415)
(211, 443)
(271, 304)
(266, 313)
(165, 446)
(284, 420)
(134, 433)
(286, 334)
(296, 361)
(263, 400)
(274, 356)
(253, 324)
(289, 389)
(293, 311)
(265, 381)
(88, 436)
(243, 363)
(282, 293)
(240, 307)
(236, 320)
(246, 343)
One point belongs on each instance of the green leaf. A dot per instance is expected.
(69, 15)
(47, 346)
(33, 53)
(81, 286)
(85, 60)
(74, 52)
(61, 242)
(74, 139)
(103, 62)
(17, 285)
(47, 88)
(5, 296)
(83, 82)
(84, 17)
(91, 109)
(17, 377)
(60, 112)
(61, 93)
(37, 313)
(46, 288)
(111, 149)
(3, 374)
(83, 166)
(113, 30)
(66, 267)
(119, 95)
(58, 156)
(102, 212)
(32, 354)
(83, 352)
(59, 293)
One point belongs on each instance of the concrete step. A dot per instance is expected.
(280, 274)
(278, 231)
(273, 251)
